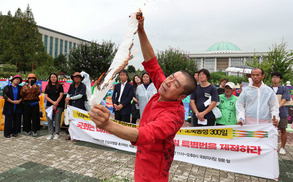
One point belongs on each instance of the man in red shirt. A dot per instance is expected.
(163, 116)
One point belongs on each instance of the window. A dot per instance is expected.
(74, 45)
(56, 47)
(236, 61)
(65, 47)
(70, 45)
(61, 46)
(209, 64)
(51, 46)
(46, 42)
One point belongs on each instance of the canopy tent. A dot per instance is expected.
(239, 69)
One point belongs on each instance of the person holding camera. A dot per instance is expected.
(30, 94)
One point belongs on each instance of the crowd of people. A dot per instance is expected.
(210, 106)
(157, 102)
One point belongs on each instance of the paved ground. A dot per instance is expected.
(26, 158)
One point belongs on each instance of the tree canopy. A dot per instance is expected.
(279, 59)
(20, 41)
(172, 60)
(94, 58)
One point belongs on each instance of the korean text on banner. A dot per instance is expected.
(250, 149)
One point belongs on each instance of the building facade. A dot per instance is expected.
(222, 55)
(57, 43)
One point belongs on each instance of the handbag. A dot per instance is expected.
(66, 116)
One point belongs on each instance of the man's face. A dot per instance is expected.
(202, 77)
(123, 77)
(172, 87)
(276, 79)
(228, 91)
(77, 79)
(257, 76)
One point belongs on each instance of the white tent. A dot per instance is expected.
(239, 69)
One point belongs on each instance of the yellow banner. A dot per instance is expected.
(77, 114)
(125, 123)
(215, 133)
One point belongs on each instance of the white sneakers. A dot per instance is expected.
(49, 137)
(282, 151)
(56, 136)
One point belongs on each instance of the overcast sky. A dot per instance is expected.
(190, 25)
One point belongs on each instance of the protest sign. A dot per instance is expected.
(250, 149)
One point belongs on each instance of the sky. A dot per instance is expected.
(189, 25)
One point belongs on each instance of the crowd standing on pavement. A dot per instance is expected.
(256, 104)
(157, 101)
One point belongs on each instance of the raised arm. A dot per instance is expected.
(146, 47)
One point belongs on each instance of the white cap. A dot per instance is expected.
(231, 85)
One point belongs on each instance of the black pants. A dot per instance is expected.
(121, 117)
(31, 118)
(211, 122)
(12, 124)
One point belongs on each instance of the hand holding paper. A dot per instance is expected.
(100, 116)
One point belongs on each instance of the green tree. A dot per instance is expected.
(94, 58)
(279, 59)
(61, 64)
(43, 72)
(173, 60)
(131, 69)
(21, 42)
(215, 78)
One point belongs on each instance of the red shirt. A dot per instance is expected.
(158, 126)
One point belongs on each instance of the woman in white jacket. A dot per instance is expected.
(145, 91)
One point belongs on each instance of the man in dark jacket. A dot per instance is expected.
(76, 95)
(13, 107)
(122, 96)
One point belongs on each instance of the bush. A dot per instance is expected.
(8, 68)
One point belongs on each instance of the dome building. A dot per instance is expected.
(222, 55)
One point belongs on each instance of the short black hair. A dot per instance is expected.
(224, 79)
(262, 71)
(279, 74)
(206, 72)
(190, 87)
(123, 71)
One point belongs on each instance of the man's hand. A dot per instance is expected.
(55, 103)
(100, 116)
(275, 122)
(67, 100)
(119, 107)
(200, 116)
(140, 27)
(115, 107)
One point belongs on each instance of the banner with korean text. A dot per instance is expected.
(250, 149)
